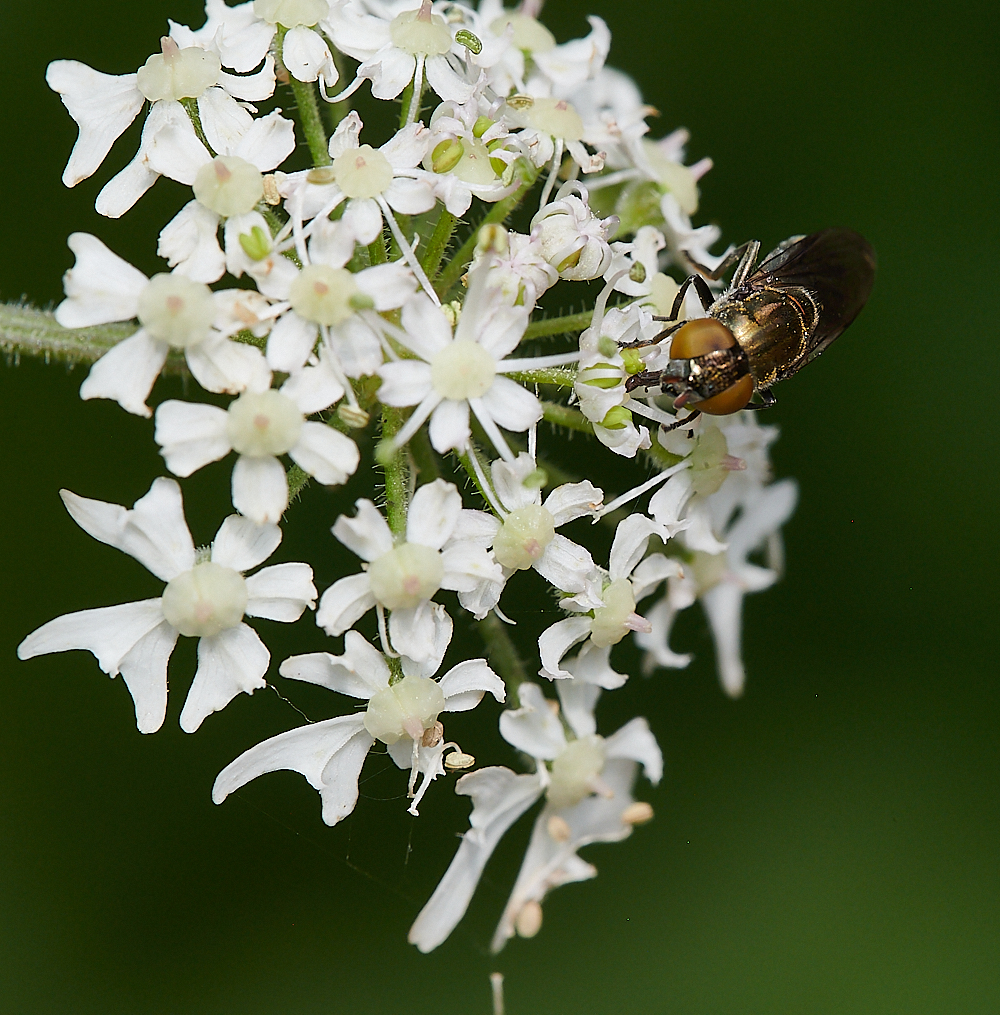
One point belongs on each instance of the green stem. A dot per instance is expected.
(298, 480)
(466, 462)
(438, 243)
(559, 325)
(424, 459)
(502, 652)
(376, 251)
(559, 376)
(194, 115)
(309, 115)
(395, 465)
(563, 415)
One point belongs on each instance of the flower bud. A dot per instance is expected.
(617, 418)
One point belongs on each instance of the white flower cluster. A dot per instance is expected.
(342, 305)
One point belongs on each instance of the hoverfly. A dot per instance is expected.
(765, 326)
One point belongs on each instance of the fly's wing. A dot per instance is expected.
(837, 266)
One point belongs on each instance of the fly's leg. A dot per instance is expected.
(681, 422)
(744, 255)
(706, 296)
(767, 400)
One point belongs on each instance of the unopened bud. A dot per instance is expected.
(447, 155)
(633, 361)
(535, 479)
(637, 813)
(618, 418)
(256, 244)
(353, 416)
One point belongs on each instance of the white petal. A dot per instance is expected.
(499, 798)
(555, 641)
(291, 341)
(667, 504)
(174, 149)
(511, 406)
(508, 482)
(699, 535)
(223, 120)
(367, 533)
(189, 242)
(534, 727)
(103, 105)
(407, 147)
(631, 539)
(404, 382)
(450, 426)
(578, 701)
(413, 632)
(466, 564)
(389, 285)
(656, 568)
(154, 531)
(440, 640)
(427, 329)
(363, 217)
(234, 660)
(592, 665)
(314, 388)
(433, 513)
(260, 488)
(326, 454)
(724, 607)
(445, 81)
(221, 365)
(268, 142)
(410, 197)
(343, 603)
(306, 55)
(126, 373)
(635, 740)
(360, 672)
(281, 592)
(100, 287)
(312, 751)
(482, 598)
(565, 565)
(465, 684)
(477, 527)
(573, 500)
(763, 514)
(500, 329)
(390, 73)
(356, 346)
(144, 670)
(242, 544)
(657, 642)
(251, 87)
(190, 435)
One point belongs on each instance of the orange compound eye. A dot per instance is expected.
(701, 336)
(734, 398)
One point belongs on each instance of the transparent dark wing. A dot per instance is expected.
(836, 265)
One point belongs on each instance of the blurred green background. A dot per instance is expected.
(828, 844)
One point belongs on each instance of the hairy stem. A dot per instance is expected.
(558, 325)
(563, 415)
(559, 376)
(395, 466)
(438, 243)
(309, 114)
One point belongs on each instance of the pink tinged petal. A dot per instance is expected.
(433, 513)
(360, 672)
(651, 572)
(329, 754)
(555, 641)
(154, 531)
(367, 534)
(466, 564)
(242, 544)
(407, 147)
(573, 500)
(228, 663)
(344, 603)
(404, 382)
(565, 565)
(260, 488)
(314, 388)
(410, 197)
(724, 608)
(534, 727)
(389, 285)
(190, 243)
(363, 217)
(327, 455)
(511, 406)
(631, 539)
(465, 684)
(100, 287)
(251, 87)
(445, 81)
(499, 798)
(592, 665)
(440, 639)
(450, 426)
(306, 56)
(190, 435)
(281, 592)
(578, 700)
(223, 120)
(412, 632)
(427, 329)
(103, 105)
(268, 142)
(290, 342)
(501, 329)
(636, 742)
(125, 373)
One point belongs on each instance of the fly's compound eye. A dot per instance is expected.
(699, 338)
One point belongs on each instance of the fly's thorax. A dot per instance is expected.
(718, 372)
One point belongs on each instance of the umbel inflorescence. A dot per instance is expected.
(393, 287)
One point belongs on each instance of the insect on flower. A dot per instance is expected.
(766, 325)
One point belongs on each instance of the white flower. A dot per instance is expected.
(401, 712)
(206, 597)
(260, 425)
(519, 270)
(548, 128)
(607, 607)
(574, 241)
(526, 534)
(103, 106)
(174, 313)
(462, 371)
(720, 580)
(587, 780)
(614, 116)
(445, 548)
